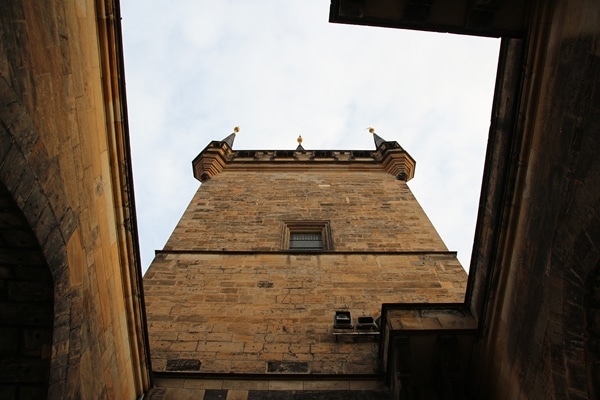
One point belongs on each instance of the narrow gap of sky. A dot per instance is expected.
(195, 69)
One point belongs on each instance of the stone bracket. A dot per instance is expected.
(211, 160)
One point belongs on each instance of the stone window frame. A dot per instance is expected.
(303, 226)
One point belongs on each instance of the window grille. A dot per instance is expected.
(306, 235)
(306, 240)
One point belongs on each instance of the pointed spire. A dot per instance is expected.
(299, 140)
(229, 139)
(376, 137)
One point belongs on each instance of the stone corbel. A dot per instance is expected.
(399, 163)
(211, 160)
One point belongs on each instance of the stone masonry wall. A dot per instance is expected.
(58, 162)
(273, 313)
(540, 344)
(245, 210)
(225, 296)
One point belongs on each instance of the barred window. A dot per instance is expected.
(306, 241)
(306, 235)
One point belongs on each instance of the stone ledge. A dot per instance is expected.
(427, 319)
(270, 384)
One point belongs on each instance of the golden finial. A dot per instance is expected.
(236, 129)
(371, 130)
(299, 139)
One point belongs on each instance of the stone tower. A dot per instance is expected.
(274, 243)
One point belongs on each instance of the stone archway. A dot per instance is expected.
(25, 171)
(27, 307)
(65, 162)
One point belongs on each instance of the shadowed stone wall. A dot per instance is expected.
(536, 344)
(62, 161)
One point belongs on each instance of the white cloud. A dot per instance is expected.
(278, 69)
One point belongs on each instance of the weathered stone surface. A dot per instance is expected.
(224, 215)
(292, 320)
(265, 309)
(318, 395)
(287, 367)
(277, 388)
(183, 365)
(61, 134)
(536, 306)
(53, 134)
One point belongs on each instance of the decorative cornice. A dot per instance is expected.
(218, 155)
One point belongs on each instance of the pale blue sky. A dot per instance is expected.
(197, 68)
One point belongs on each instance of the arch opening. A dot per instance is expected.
(26, 307)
